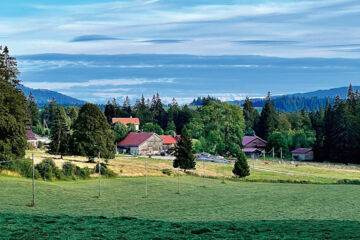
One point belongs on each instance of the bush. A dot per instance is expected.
(83, 173)
(167, 171)
(69, 169)
(104, 170)
(40, 145)
(23, 167)
(48, 170)
(241, 167)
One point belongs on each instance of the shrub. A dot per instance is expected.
(24, 167)
(241, 167)
(69, 169)
(104, 170)
(167, 171)
(40, 145)
(48, 170)
(83, 173)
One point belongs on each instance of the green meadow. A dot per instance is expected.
(235, 210)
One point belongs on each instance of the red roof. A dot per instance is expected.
(301, 150)
(126, 121)
(168, 139)
(135, 139)
(248, 139)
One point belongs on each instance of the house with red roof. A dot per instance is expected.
(141, 143)
(127, 121)
(253, 146)
(169, 142)
(303, 154)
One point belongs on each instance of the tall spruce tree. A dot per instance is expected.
(109, 112)
(92, 133)
(13, 110)
(185, 158)
(33, 110)
(251, 115)
(59, 133)
(268, 121)
(158, 112)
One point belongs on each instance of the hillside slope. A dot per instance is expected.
(43, 96)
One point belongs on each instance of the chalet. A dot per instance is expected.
(169, 142)
(141, 143)
(34, 139)
(302, 154)
(253, 146)
(129, 120)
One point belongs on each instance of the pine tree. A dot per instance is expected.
(185, 158)
(8, 67)
(59, 134)
(158, 112)
(109, 112)
(241, 167)
(33, 110)
(268, 121)
(251, 115)
(48, 114)
(92, 133)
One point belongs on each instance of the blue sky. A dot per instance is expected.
(280, 29)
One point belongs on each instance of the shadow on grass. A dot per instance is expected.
(18, 226)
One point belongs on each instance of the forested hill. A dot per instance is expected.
(297, 101)
(290, 103)
(43, 96)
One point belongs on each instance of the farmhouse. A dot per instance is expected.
(141, 143)
(169, 142)
(34, 139)
(129, 120)
(253, 146)
(303, 154)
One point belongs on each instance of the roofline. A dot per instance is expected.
(255, 139)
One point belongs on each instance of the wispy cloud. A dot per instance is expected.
(87, 38)
(97, 83)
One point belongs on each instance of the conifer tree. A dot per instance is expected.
(251, 115)
(13, 110)
(268, 119)
(185, 158)
(92, 133)
(59, 133)
(33, 110)
(241, 167)
(109, 112)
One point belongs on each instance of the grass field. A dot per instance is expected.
(233, 210)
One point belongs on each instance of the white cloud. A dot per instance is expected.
(97, 83)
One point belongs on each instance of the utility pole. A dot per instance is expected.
(33, 181)
(223, 179)
(146, 187)
(273, 150)
(281, 153)
(99, 175)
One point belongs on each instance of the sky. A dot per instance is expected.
(282, 29)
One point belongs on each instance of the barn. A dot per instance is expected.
(302, 154)
(141, 143)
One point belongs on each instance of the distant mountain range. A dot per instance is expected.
(43, 96)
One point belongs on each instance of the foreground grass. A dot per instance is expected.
(64, 227)
(216, 202)
(235, 210)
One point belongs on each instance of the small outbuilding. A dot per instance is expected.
(141, 143)
(169, 142)
(302, 154)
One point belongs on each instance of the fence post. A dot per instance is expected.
(99, 175)
(146, 187)
(178, 192)
(33, 181)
